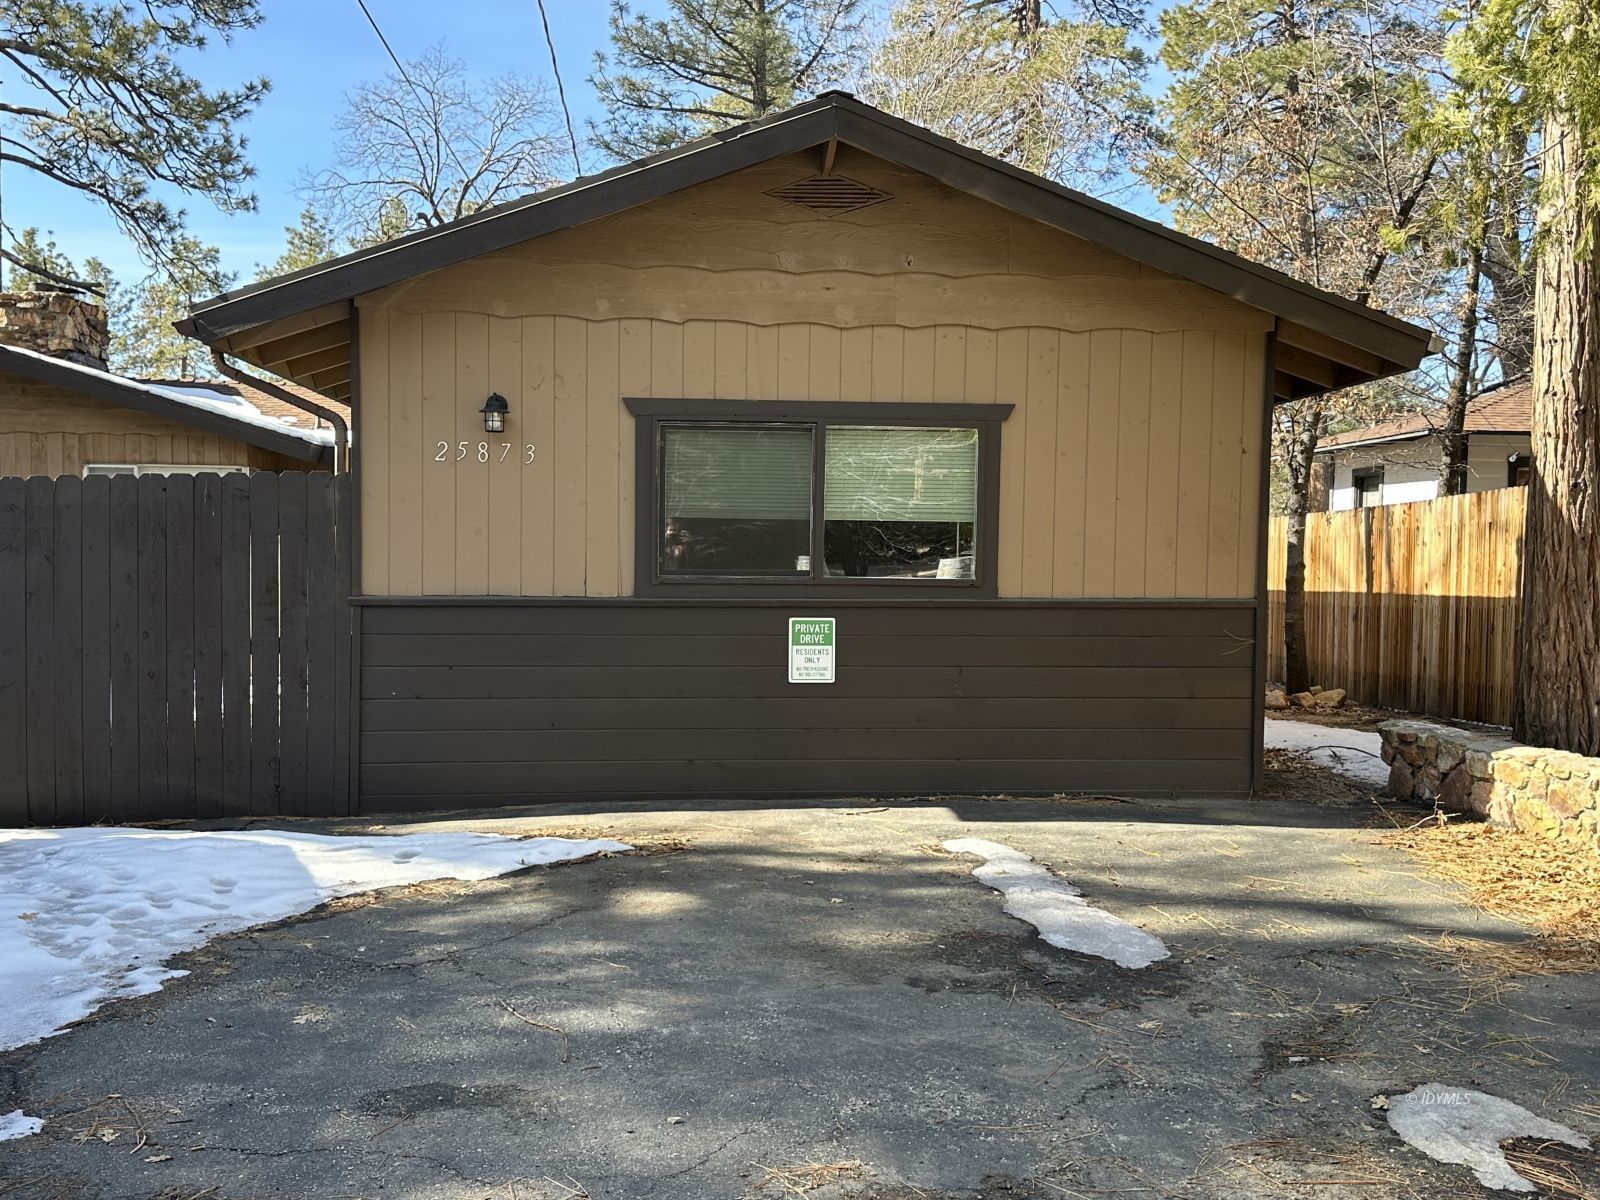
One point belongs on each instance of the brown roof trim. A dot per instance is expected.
(131, 393)
(833, 115)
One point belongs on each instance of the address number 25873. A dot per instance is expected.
(482, 452)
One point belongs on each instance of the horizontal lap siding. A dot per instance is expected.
(484, 705)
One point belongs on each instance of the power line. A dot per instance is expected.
(561, 91)
(415, 90)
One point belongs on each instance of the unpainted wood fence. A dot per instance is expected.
(1412, 606)
(173, 647)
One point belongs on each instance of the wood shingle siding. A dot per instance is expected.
(500, 704)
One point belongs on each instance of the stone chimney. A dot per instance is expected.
(55, 323)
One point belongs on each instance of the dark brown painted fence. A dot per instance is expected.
(173, 646)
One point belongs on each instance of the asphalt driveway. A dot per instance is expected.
(782, 1001)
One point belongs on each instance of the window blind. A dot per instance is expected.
(900, 474)
(745, 474)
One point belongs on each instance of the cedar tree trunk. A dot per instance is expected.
(1558, 672)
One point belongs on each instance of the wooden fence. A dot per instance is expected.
(1411, 606)
(173, 646)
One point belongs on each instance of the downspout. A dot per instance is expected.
(341, 431)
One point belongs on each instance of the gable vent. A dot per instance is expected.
(829, 195)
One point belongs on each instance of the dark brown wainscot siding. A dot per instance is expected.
(486, 703)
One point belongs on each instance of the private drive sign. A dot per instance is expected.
(810, 649)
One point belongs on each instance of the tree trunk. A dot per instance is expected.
(1558, 672)
(1298, 451)
(1452, 435)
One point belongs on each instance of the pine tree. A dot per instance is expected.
(1284, 137)
(143, 342)
(308, 242)
(714, 63)
(1057, 97)
(102, 104)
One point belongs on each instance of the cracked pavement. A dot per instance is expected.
(818, 985)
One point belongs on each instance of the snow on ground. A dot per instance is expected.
(90, 915)
(14, 1125)
(1353, 753)
(1057, 909)
(1453, 1125)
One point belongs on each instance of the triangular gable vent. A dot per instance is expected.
(829, 194)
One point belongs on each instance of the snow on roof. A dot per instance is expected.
(198, 394)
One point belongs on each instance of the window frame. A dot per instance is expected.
(1359, 480)
(651, 415)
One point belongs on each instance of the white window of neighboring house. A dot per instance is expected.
(1369, 487)
(159, 469)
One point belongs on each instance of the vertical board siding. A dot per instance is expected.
(1412, 606)
(1128, 465)
(176, 647)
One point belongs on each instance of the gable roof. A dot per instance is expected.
(299, 325)
(213, 406)
(1505, 409)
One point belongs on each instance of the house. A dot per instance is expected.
(821, 456)
(63, 412)
(1399, 460)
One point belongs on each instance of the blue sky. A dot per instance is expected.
(313, 51)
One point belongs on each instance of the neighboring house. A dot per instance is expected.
(62, 412)
(1399, 460)
(612, 438)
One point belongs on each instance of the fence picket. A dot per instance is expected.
(13, 653)
(1411, 606)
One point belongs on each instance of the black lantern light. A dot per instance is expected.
(494, 412)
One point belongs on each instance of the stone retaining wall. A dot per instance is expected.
(1545, 791)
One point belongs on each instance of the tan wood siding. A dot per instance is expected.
(1097, 498)
(1128, 465)
(45, 430)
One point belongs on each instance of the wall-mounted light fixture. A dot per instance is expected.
(494, 412)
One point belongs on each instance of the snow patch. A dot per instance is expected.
(14, 1125)
(1454, 1125)
(90, 915)
(1057, 909)
(1353, 753)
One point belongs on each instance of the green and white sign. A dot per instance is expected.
(810, 649)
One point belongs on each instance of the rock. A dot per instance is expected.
(1428, 782)
(1564, 800)
(1314, 690)
(1276, 698)
(1449, 756)
(1510, 772)
(1386, 752)
(1303, 699)
(1455, 791)
(1482, 797)
(1332, 698)
(1401, 780)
